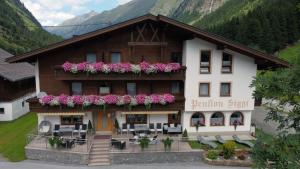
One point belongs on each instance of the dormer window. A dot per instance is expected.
(205, 61)
(91, 58)
(226, 63)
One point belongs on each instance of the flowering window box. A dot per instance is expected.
(120, 71)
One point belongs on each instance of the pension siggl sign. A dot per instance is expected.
(221, 104)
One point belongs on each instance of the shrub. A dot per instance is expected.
(213, 155)
(228, 149)
(51, 141)
(167, 143)
(185, 136)
(144, 143)
(241, 154)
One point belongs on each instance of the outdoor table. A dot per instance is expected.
(141, 129)
(66, 130)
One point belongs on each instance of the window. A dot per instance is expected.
(136, 118)
(226, 63)
(225, 89)
(71, 120)
(204, 89)
(131, 89)
(176, 57)
(91, 58)
(23, 103)
(76, 88)
(217, 119)
(104, 90)
(198, 118)
(175, 88)
(236, 118)
(205, 61)
(2, 111)
(115, 57)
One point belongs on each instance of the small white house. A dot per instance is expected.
(16, 86)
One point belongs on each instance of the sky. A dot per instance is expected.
(54, 12)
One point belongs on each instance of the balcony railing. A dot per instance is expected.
(60, 74)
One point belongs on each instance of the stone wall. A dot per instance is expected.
(155, 157)
(57, 156)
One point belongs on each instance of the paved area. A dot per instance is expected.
(258, 117)
(37, 165)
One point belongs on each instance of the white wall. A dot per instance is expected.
(37, 77)
(226, 128)
(56, 119)
(14, 109)
(150, 118)
(244, 70)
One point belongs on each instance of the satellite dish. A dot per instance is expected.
(41, 94)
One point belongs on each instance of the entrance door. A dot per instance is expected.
(104, 122)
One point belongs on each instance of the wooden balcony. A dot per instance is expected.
(35, 106)
(60, 74)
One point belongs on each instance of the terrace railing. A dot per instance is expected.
(42, 142)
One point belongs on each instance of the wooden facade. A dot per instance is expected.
(10, 91)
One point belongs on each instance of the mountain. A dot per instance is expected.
(290, 53)
(19, 30)
(268, 25)
(184, 10)
(74, 21)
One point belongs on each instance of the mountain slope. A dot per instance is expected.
(268, 25)
(184, 10)
(291, 53)
(19, 30)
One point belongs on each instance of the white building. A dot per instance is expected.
(16, 86)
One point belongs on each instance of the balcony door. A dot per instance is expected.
(104, 122)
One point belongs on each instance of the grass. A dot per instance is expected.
(13, 136)
(195, 145)
(290, 53)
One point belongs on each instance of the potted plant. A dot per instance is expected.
(167, 143)
(90, 126)
(52, 142)
(144, 143)
(117, 126)
(185, 136)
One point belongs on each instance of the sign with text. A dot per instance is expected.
(222, 104)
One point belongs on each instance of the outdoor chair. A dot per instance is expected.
(134, 139)
(83, 128)
(76, 129)
(206, 142)
(121, 145)
(158, 127)
(151, 128)
(238, 140)
(153, 140)
(82, 139)
(131, 128)
(45, 127)
(124, 128)
(56, 131)
(220, 139)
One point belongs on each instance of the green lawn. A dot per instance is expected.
(290, 53)
(195, 145)
(13, 136)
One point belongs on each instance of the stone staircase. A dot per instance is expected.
(100, 152)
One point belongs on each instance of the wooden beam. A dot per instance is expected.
(147, 43)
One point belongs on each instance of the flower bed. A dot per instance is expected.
(100, 67)
(89, 100)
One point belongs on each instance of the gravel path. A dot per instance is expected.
(46, 165)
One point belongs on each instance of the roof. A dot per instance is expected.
(16, 71)
(270, 59)
(4, 55)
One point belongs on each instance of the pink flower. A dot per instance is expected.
(140, 99)
(114, 67)
(154, 98)
(63, 99)
(174, 66)
(144, 66)
(111, 99)
(78, 99)
(126, 67)
(98, 66)
(46, 99)
(169, 98)
(67, 66)
(160, 67)
(81, 66)
(127, 99)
